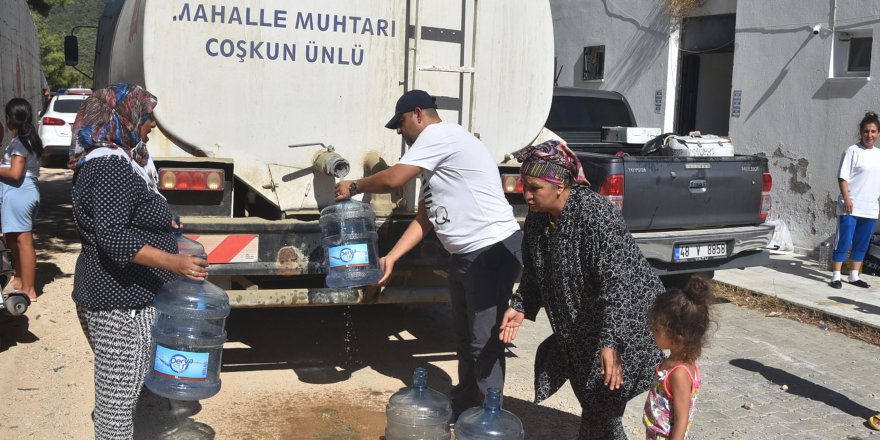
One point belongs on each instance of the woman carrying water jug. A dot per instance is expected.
(128, 249)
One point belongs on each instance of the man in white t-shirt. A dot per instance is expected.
(462, 201)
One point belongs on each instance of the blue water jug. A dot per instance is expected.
(188, 335)
(489, 422)
(188, 246)
(348, 231)
(418, 412)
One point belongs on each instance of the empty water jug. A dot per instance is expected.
(348, 229)
(489, 422)
(418, 412)
(188, 336)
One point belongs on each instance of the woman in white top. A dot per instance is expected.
(19, 195)
(857, 206)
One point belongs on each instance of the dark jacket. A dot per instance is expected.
(596, 288)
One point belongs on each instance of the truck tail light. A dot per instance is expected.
(765, 196)
(612, 189)
(191, 179)
(512, 183)
(53, 121)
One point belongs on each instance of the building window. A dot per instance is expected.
(594, 63)
(851, 56)
(859, 56)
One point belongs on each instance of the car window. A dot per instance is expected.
(581, 113)
(67, 105)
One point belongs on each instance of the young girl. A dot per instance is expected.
(679, 319)
(19, 195)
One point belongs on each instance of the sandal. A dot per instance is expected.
(19, 292)
(874, 422)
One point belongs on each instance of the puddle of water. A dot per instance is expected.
(334, 420)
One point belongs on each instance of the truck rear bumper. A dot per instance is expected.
(285, 267)
(334, 297)
(746, 248)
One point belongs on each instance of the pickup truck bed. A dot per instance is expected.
(687, 214)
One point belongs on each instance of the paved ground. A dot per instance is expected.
(800, 280)
(298, 374)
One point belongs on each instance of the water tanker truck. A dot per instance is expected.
(265, 104)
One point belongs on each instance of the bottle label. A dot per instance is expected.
(182, 365)
(349, 255)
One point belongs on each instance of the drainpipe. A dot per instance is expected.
(833, 17)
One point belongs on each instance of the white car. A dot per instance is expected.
(54, 127)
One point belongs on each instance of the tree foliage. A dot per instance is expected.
(43, 7)
(54, 20)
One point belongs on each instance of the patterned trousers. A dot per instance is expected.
(120, 339)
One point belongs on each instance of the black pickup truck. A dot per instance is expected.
(687, 214)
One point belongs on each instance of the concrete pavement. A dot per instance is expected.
(799, 280)
(775, 378)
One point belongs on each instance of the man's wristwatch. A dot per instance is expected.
(353, 188)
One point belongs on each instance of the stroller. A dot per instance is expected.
(14, 303)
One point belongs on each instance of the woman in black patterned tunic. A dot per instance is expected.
(582, 265)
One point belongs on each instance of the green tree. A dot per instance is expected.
(54, 20)
(43, 7)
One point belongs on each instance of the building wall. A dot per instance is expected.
(635, 57)
(791, 111)
(21, 73)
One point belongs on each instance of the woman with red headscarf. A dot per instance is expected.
(581, 265)
(128, 249)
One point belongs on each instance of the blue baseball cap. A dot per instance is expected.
(408, 102)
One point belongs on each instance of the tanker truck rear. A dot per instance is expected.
(265, 104)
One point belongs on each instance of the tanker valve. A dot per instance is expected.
(328, 161)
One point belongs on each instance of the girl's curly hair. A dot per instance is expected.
(685, 315)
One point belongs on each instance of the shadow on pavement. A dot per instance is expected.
(542, 423)
(14, 331)
(46, 274)
(54, 228)
(327, 344)
(859, 306)
(801, 266)
(157, 418)
(55, 218)
(804, 388)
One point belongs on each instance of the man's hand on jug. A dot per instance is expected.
(342, 190)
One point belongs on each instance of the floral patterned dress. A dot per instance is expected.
(658, 408)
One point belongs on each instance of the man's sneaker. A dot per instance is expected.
(836, 284)
(860, 283)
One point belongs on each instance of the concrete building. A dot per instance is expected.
(789, 79)
(21, 74)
